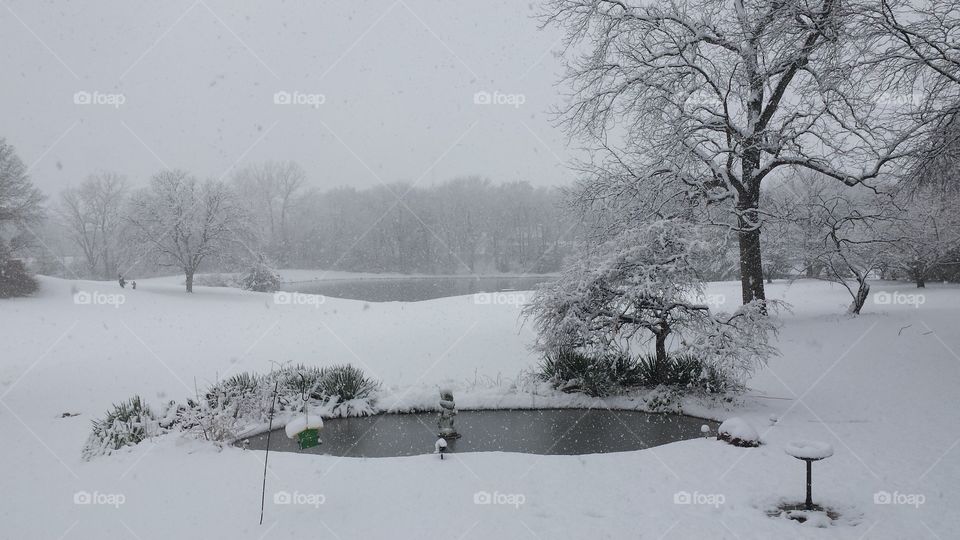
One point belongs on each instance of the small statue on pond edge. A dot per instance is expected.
(448, 409)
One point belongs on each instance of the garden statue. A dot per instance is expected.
(448, 409)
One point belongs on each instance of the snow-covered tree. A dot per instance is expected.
(643, 284)
(855, 237)
(182, 222)
(20, 201)
(715, 97)
(91, 216)
(926, 232)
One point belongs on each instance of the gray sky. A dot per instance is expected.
(192, 84)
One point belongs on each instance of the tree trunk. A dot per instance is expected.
(662, 345)
(189, 274)
(861, 298)
(751, 269)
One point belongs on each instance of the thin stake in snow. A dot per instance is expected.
(263, 492)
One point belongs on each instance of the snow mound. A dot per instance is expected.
(809, 449)
(738, 432)
(299, 424)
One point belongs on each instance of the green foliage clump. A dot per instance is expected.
(127, 424)
(346, 382)
(609, 373)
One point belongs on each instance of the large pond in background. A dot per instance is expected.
(412, 289)
(537, 431)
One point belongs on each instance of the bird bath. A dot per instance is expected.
(535, 431)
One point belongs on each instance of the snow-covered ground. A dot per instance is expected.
(881, 388)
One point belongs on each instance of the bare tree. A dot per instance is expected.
(927, 232)
(711, 98)
(91, 215)
(183, 222)
(271, 189)
(855, 238)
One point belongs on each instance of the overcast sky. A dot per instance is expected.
(386, 89)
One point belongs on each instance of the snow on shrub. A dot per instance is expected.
(14, 278)
(260, 277)
(738, 432)
(346, 383)
(638, 287)
(127, 424)
(595, 375)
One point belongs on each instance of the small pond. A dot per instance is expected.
(538, 431)
(412, 289)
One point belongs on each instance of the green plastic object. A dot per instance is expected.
(308, 438)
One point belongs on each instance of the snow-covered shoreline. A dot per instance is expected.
(880, 388)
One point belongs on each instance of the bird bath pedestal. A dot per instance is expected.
(809, 451)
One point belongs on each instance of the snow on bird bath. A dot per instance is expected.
(302, 423)
(812, 450)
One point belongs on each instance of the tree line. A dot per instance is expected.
(105, 227)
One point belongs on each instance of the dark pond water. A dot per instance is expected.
(412, 289)
(545, 431)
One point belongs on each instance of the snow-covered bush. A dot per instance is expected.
(126, 424)
(346, 382)
(14, 278)
(594, 375)
(260, 277)
(738, 432)
(639, 287)
(684, 371)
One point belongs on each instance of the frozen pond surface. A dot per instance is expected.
(412, 289)
(544, 431)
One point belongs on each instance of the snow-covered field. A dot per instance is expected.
(881, 388)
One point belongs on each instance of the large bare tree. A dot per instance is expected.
(712, 97)
(182, 222)
(91, 214)
(271, 189)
